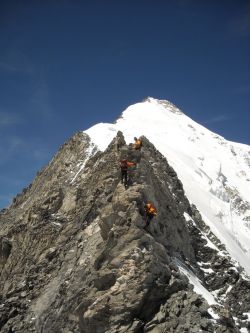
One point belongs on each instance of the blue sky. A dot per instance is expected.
(66, 65)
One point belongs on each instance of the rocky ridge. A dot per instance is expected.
(74, 256)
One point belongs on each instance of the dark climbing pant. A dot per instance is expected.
(124, 176)
(148, 219)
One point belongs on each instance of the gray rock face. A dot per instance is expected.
(75, 257)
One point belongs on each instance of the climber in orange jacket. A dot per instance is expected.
(124, 165)
(150, 212)
(137, 144)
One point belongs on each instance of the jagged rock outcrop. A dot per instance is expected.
(75, 257)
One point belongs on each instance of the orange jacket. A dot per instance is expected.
(150, 209)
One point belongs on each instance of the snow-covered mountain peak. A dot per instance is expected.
(215, 172)
(166, 104)
(82, 238)
(151, 108)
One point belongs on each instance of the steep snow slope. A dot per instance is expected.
(215, 172)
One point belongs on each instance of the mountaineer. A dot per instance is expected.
(137, 144)
(124, 165)
(150, 212)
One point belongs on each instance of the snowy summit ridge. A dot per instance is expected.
(77, 255)
(215, 172)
